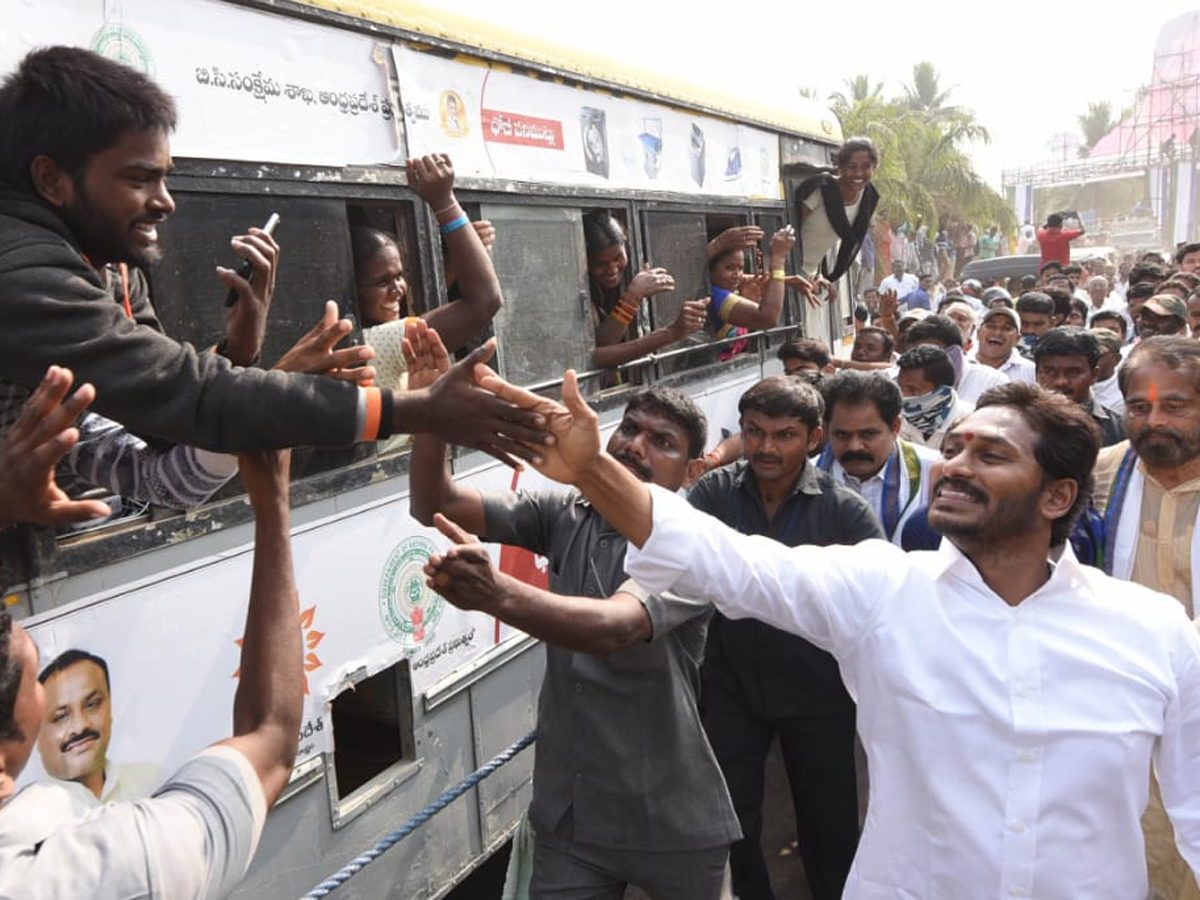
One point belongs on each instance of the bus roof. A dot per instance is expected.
(808, 117)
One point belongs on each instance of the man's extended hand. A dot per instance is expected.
(464, 575)
(41, 436)
(246, 320)
(575, 427)
(459, 411)
(314, 353)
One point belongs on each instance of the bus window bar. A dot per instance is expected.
(356, 865)
(642, 362)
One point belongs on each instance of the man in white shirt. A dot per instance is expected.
(864, 450)
(999, 332)
(970, 378)
(900, 282)
(1010, 705)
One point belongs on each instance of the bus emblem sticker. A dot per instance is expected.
(122, 44)
(409, 610)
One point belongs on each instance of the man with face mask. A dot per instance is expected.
(970, 378)
(931, 404)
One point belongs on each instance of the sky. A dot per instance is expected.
(1027, 70)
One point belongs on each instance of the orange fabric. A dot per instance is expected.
(125, 290)
(374, 412)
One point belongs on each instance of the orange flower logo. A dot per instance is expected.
(311, 638)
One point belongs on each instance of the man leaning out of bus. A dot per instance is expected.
(196, 835)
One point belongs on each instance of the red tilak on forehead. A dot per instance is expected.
(1152, 392)
(968, 435)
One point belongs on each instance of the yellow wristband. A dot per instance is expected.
(778, 274)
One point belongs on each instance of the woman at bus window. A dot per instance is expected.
(836, 211)
(617, 298)
(383, 290)
(740, 303)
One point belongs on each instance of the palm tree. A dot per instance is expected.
(859, 89)
(925, 93)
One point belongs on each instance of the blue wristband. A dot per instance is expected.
(455, 224)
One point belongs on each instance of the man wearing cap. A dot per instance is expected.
(999, 332)
(973, 293)
(1162, 314)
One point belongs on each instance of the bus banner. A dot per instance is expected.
(497, 124)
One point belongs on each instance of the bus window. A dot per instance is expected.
(678, 242)
(544, 326)
(372, 738)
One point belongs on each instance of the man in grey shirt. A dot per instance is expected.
(195, 837)
(625, 788)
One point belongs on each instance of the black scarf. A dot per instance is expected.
(852, 234)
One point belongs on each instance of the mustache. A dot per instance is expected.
(79, 739)
(766, 458)
(632, 462)
(1142, 434)
(856, 456)
(960, 486)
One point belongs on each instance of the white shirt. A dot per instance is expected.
(1108, 393)
(1008, 746)
(902, 286)
(977, 378)
(1015, 368)
(871, 489)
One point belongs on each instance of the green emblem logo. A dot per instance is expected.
(121, 43)
(409, 610)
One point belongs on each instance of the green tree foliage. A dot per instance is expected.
(1095, 124)
(925, 174)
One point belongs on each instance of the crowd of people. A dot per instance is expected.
(970, 549)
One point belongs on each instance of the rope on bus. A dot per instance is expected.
(359, 863)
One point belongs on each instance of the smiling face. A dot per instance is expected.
(382, 288)
(988, 485)
(73, 742)
(726, 270)
(998, 335)
(114, 205)
(608, 267)
(651, 446)
(856, 172)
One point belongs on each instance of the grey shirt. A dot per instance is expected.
(620, 744)
(193, 839)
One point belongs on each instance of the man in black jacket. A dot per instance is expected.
(84, 158)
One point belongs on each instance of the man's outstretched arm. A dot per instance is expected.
(268, 705)
(466, 576)
(43, 433)
(574, 455)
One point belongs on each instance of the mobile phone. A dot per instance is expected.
(247, 268)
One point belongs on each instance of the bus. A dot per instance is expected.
(308, 110)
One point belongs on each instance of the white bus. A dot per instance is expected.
(309, 110)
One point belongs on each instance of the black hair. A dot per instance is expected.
(1110, 315)
(933, 361)
(1066, 442)
(1143, 290)
(940, 328)
(365, 242)
(851, 388)
(601, 231)
(861, 313)
(1067, 340)
(678, 408)
(1049, 265)
(1147, 271)
(1054, 220)
(811, 350)
(780, 396)
(68, 658)
(1035, 302)
(889, 343)
(1183, 250)
(1061, 298)
(1081, 307)
(10, 681)
(70, 104)
(1169, 350)
(856, 144)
